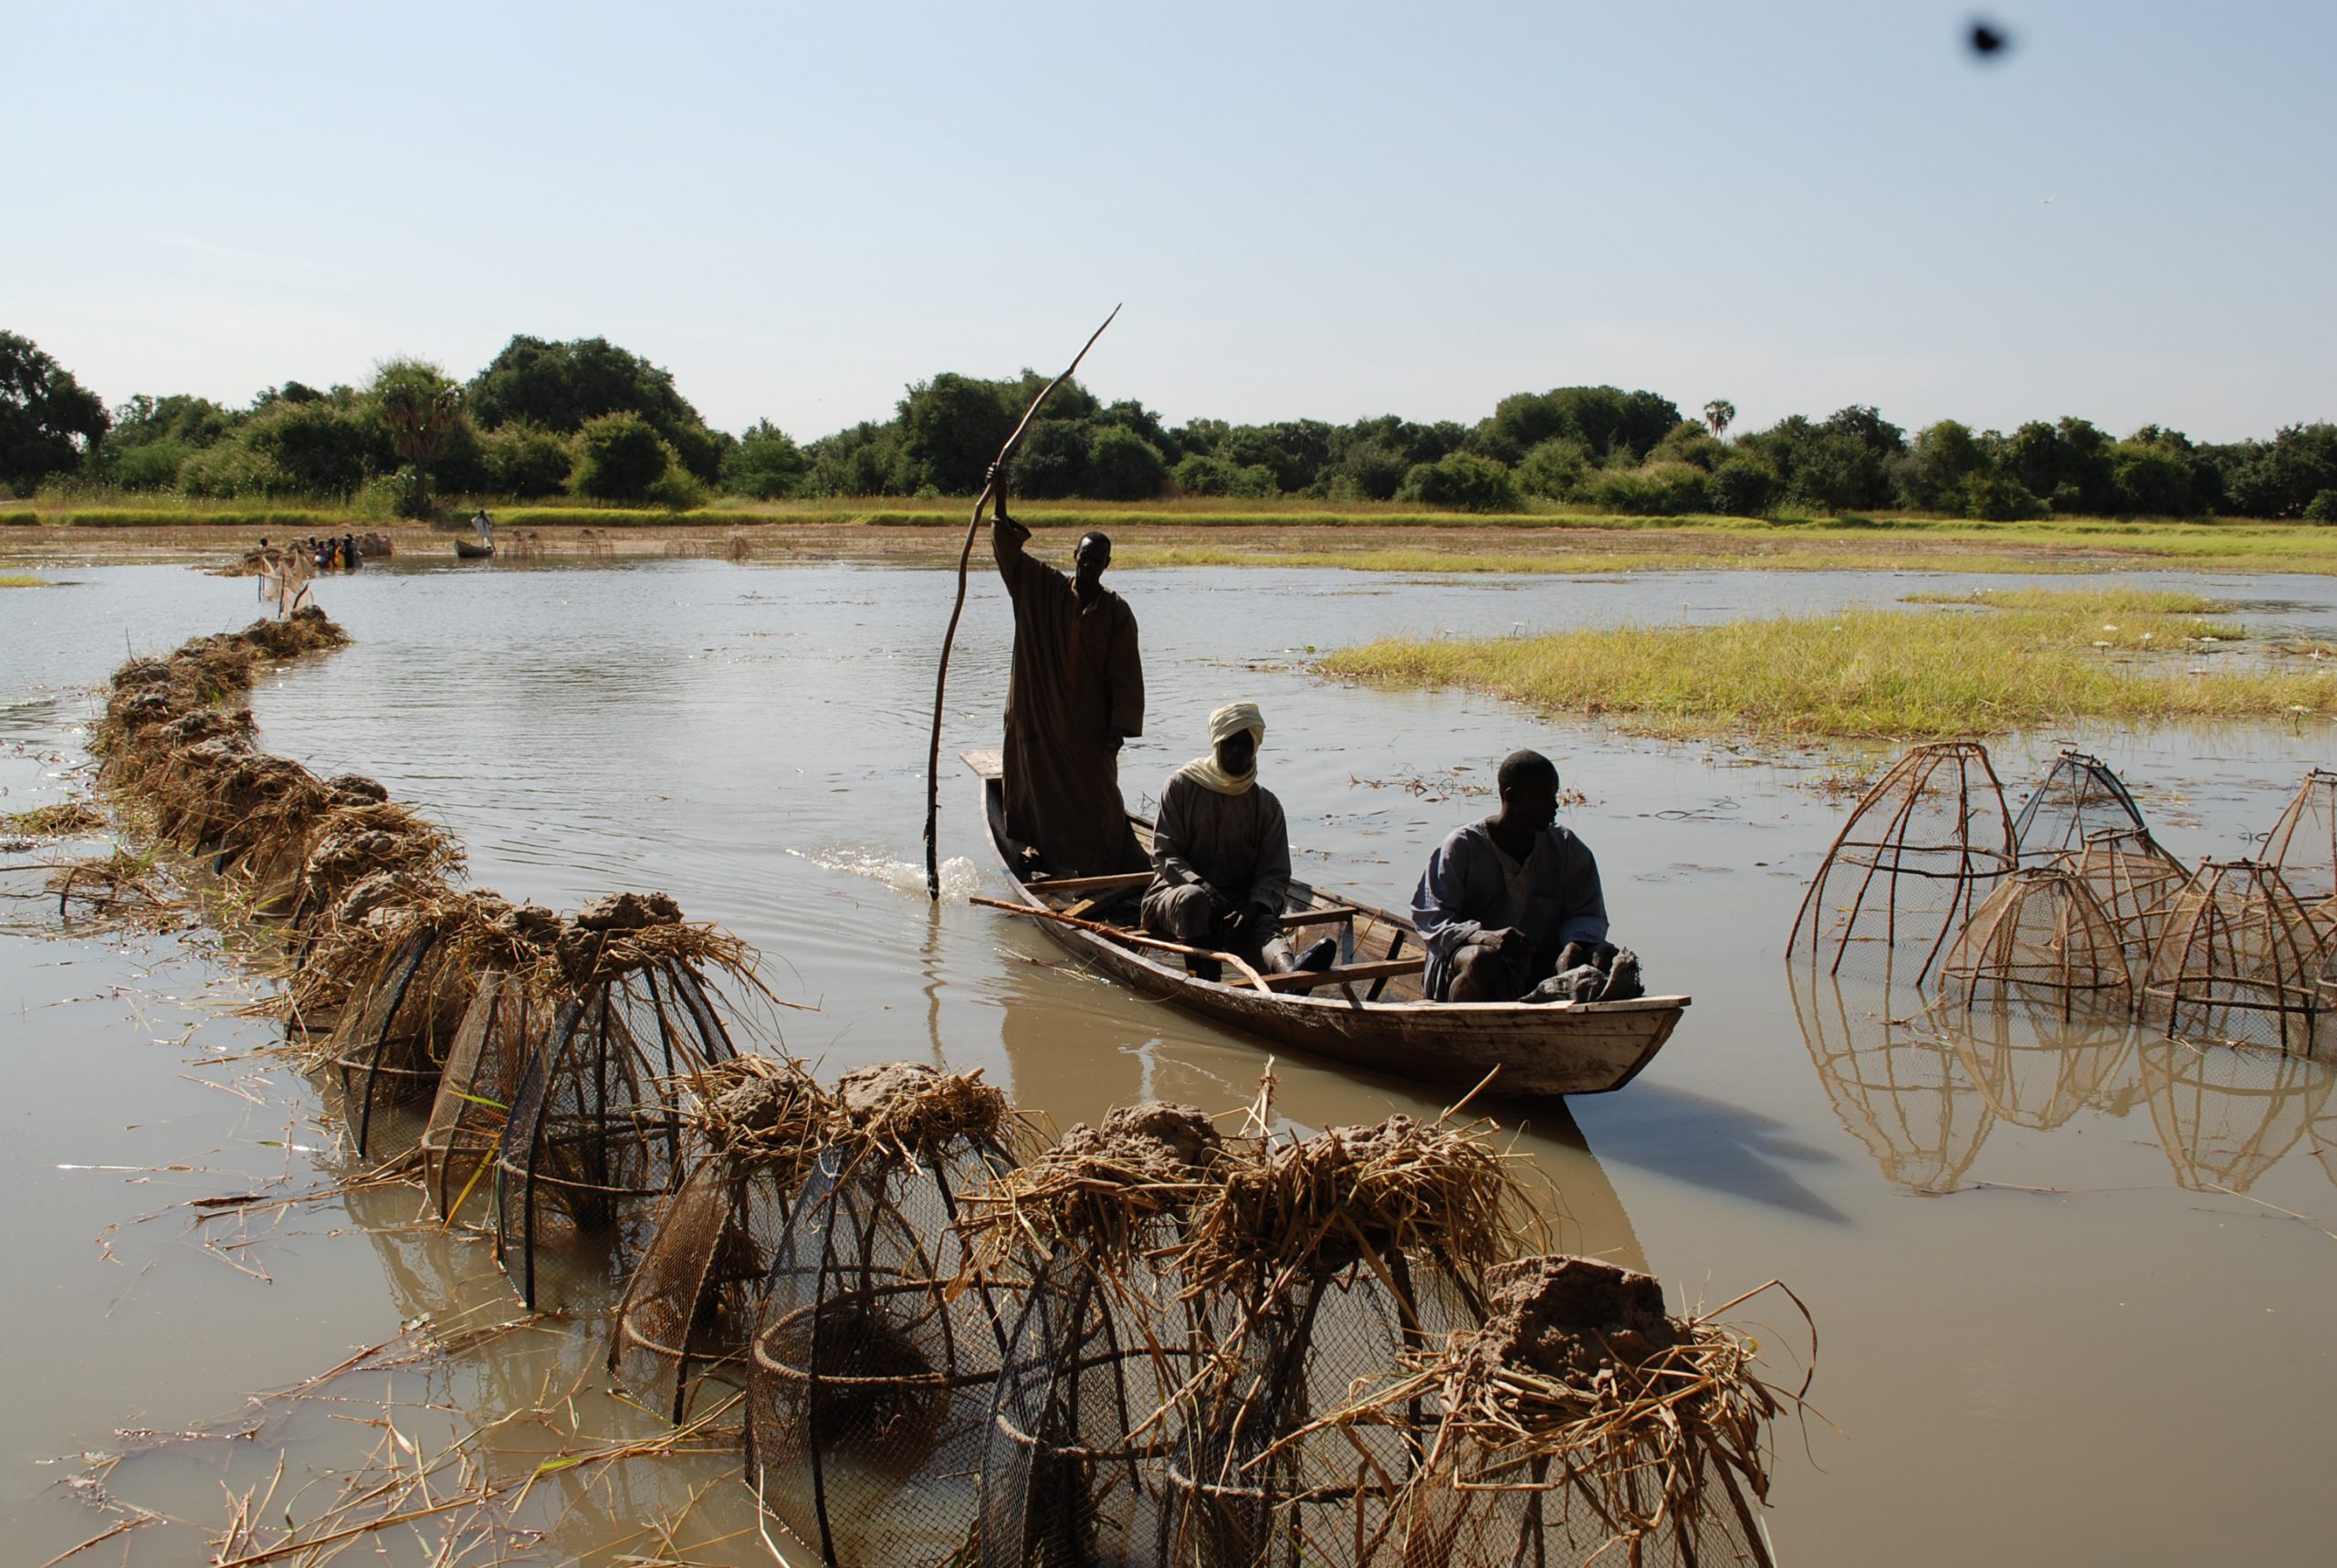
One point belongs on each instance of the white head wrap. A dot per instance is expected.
(1229, 720)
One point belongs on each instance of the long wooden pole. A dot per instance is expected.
(995, 484)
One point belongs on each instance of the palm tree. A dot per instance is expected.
(420, 405)
(1718, 414)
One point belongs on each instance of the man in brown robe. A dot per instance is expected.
(1075, 694)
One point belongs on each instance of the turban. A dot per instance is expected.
(1229, 720)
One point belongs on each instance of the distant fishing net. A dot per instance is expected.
(2079, 797)
(2239, 961)
(1579, 1425)
(1314, 1267)
(872, 1364)
(2039, 938)
(691, 1303)
(1083, 1430)
(1917, 855)
(391, 1044)
(596, 1133)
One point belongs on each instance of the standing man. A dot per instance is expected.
(1504, 898)
(1075, 694)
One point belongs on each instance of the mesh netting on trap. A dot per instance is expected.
(2239, 960)
(871, 1369)
(1579, 1425)
(475, 1090)
(1082, 1432)
(2303, 842)
(596, 1133)
(691, 1303)
(1315, 1268)
(395, 1036)
(2079, 797)
(2040, 935)
(2134, 881)
(1918, 853)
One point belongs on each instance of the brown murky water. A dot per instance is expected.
(2075, 1303)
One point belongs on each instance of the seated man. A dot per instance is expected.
(1221, 856)
(1504, 900)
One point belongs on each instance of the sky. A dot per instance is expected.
(1318, 211)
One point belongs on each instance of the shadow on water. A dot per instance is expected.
(1711, 1143)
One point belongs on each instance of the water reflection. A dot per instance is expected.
(1901, 1092)
(2036, 1068)
(2226, 1114)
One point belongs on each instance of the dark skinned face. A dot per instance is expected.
(1088, 563)
(1238, 751)
(1531, 806)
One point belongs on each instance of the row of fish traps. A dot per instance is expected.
(2074, 908)
(1151, 1345)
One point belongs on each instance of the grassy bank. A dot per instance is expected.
(2038, 657)
(18, 579)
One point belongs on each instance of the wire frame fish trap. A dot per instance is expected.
(1917, 855)
(1081, 1434)
(1314, 1269)
(1580, 1425)
(871, 1372)
(473, 1101)
(2134, 881)
(2304, 844)
(2041, 936)
(597, 1134)
(2079, 797)
(2239, 961)
(691, 1303)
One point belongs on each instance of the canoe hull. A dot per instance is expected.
(1541, 1049)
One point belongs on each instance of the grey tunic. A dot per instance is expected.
(1238, 844)
(1465, 892)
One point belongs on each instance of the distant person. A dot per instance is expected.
(349, 555)
(483, 526)
(1510, 907)
(1221, 856)
(1075, 694)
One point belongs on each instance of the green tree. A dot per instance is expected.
(1056, 460)
(1465, 480)
(1371, 470)
(421, 407)
(1744, 487)
(1999, 497)
(326, 446)
(1199, 474)
(526, 461)
(952, 427)
(1720, 413)
(2151, 481)
(618, 456)
(1127, 466)
(765, 464)
(1940, 465)
(1555, 468)
(2280, 478)
(1690, 442)
(562, 385)
(49, 421)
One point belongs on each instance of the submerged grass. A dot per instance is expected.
(2041, 657)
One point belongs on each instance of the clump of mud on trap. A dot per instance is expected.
(915, 1110)
(1105, 1189)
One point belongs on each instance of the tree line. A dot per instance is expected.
(587, 418)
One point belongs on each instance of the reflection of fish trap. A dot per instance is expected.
(596, 1129)
(871, 1370)
(2079, 796)
(692, 1301)
(1580, 1425)
(2239, 960)
(2035, 1065)
(2226, 1117)
(1316, 1267)
(1917, 854)
(390, 1043)
(1081, 1433)
(1903, 1095)
(2134, 880)
(2039, 937)
(2303, 842)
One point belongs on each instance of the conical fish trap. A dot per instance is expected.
(481, 1079)
(1580, 1425)
(1081, 1433)
(596, 1133)
(2079, 796)
(873, 1362)
(691, 1303)
(1917, 855)
(2239, 961)
(2303, 842)
(2134, 881)
(2226, 1117)
(1315, 1267)
(2039, 937)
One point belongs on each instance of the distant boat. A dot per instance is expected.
(1367, 1011)
(472, 549)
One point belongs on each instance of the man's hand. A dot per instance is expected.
(1508, 941)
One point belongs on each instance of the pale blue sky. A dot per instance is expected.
(1325, 211)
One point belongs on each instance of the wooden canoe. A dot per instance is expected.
(472, 549)
(1367, 1011)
